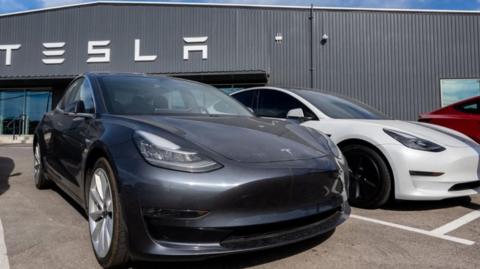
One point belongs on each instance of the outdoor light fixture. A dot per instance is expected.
(278, 37)
(324, 39)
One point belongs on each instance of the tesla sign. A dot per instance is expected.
(98, 51)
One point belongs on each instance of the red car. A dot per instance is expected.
(463, 116)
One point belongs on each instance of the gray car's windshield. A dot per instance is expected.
(341, 107)
(133, 95)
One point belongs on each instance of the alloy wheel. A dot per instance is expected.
(100, 212)
(365, 177)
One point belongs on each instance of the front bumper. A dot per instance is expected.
(460, 170)
(249, 209)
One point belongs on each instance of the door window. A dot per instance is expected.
(80, 90)
(86, 95)
(470, 107)
(67, 103)
(275, 104)
(246, 98)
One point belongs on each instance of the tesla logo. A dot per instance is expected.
(8, 52)
(52, 52)
(142, 58)
(99, 51)
(198, 46)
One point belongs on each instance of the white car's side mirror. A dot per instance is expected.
(296, 113)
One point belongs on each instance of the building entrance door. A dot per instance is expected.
(22, 109)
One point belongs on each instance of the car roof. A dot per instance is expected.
(299, 91)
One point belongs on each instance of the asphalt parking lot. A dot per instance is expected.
(45, 229)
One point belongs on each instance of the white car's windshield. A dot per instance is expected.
(341, 107)
(162, 95)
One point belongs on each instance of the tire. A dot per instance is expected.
(105, 217)
(370, 179)
(41, 181)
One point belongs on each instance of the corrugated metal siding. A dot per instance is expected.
(394, 61)
(391, 60)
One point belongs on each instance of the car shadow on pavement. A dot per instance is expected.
(6, 167)
(243, 260)
(430, 205)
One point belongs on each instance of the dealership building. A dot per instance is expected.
(403, 62)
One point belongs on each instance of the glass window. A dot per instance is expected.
(470, 107)
(22, 109)
(162, 95)
(246, 98)
(340, 107)
(86, 95)
(275, 104)
(230, 90)
(454, 90)
(80, 90)
(72, 94)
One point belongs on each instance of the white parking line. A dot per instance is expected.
(416, 230)
(445, 229)
(3, 250)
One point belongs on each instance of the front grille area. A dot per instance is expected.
(465, 186)
(241, 237)
(272, 234)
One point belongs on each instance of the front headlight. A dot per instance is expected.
(414, 142)
(163, 153)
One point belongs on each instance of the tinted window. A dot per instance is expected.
(246, 98)
(86, 95)
(80, 91)
(162, 95)
(71, 95)
(470, 108)
(340, 107)
(276, 104)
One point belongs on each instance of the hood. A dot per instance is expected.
(243, 139)
(437, 134)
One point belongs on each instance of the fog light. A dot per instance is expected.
(173, 213)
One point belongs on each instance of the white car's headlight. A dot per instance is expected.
(414, 142)
(163, 153)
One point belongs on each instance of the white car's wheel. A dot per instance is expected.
(370, 180)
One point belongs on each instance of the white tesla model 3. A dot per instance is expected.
(387, 158)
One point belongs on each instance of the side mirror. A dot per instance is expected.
(79, 107)
(297, 114)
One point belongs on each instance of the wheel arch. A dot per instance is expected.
(356, 141)
(35, 141)
(97, 150)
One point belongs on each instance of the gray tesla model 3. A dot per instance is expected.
(173, 169)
